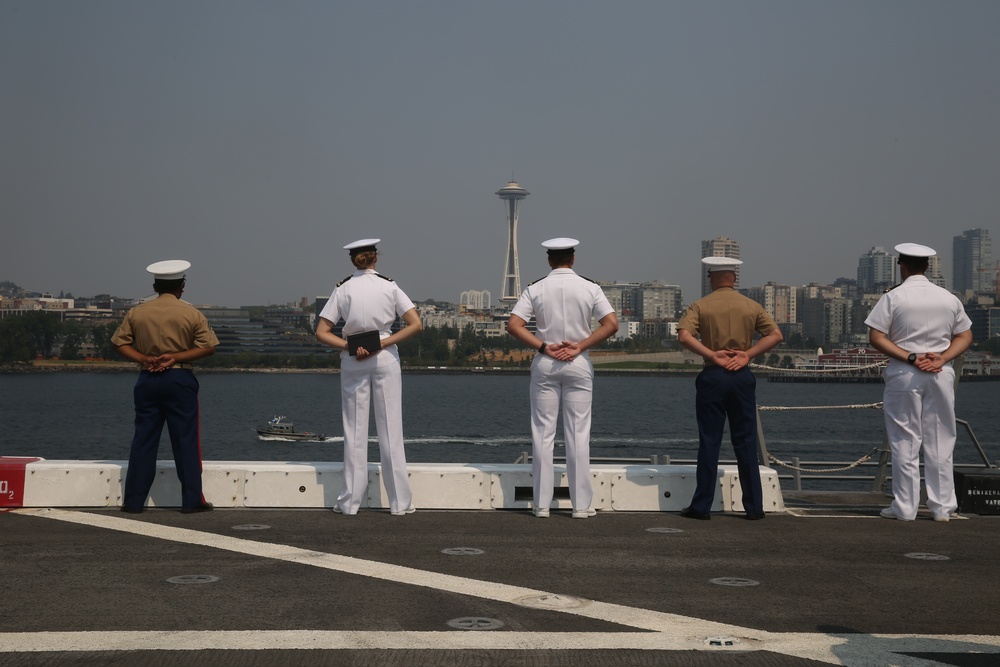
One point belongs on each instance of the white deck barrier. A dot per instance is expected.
(445, 486)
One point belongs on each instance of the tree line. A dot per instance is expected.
(24, 338)
(39, 334)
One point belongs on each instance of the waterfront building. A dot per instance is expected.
(67, 309)
(851, 357)
(235, 331)
(980, 363)
(876, 271)
(972, 263)
(274, 333)
(722, 246)
(510, 290)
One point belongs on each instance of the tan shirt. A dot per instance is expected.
(726, 320)
(165, 325)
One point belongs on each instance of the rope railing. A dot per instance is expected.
(864, 459)
(798, 470)
(819, 371)
(852, 406)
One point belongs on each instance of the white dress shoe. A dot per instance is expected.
(583, 514)
(541, 512)
(409, 510)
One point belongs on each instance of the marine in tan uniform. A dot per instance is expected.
(165, 335)
(726, 321)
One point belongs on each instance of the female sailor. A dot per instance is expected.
(369, 303)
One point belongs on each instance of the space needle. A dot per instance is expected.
(511, 290)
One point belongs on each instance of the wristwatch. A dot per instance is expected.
(912, 358)
(541, 350)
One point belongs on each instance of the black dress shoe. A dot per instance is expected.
(755, 517)
(688, 514)
(204, 507)
(132, 510)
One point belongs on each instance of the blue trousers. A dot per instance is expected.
(171, 397)
(723, 394)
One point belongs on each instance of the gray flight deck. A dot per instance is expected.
(827, 582)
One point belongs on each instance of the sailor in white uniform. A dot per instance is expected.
(921, 328)
(369, 302)
(562, 304)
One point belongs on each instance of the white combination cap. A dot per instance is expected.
(363, 244)
(169, 269)
(721, 263)
(915, 250)
(561, 243)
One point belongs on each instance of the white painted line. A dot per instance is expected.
(642, 619)
(806, 514)
(855, 650)
(308, 639)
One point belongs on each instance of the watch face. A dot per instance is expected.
(912, 357)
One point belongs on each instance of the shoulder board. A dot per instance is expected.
(384, 277)
(537, 281)
(889, 289)
(587, 279)
(344, 280)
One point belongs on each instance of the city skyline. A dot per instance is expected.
(886, 266)
(255, 139)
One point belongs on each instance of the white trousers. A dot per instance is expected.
(573, 383)
(919, 412)
(376, 380)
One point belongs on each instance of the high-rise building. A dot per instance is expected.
(510, 292)
(972, 263)
(722, 246)
(876, 271)
(827, 320)
(650, 302)
(624, 298)
(934, 270)
(780, 301)
(660, 302)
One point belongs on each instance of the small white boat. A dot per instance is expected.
(279, 427)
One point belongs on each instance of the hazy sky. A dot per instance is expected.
(255, 139)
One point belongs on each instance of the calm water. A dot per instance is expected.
(465, 418)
